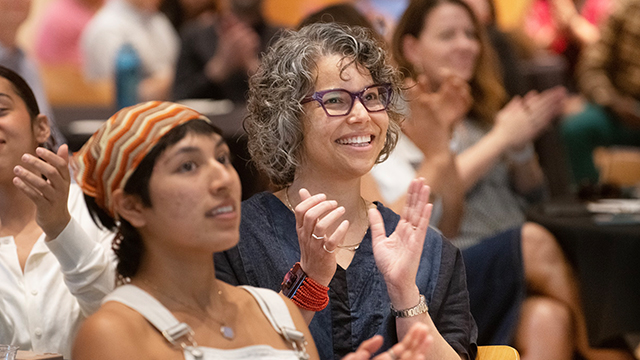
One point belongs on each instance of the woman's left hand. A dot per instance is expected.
(398, 256)
(51, 194)
(413, 346)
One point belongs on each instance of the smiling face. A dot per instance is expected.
(195, 196)
(448, 42)
(342, 146)
(18, 134)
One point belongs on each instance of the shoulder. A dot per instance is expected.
(257, 207)
(388, 215)
(114, 323)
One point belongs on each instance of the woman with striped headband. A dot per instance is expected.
(160, 173)
(55, 264)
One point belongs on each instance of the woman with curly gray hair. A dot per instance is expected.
(323, 109)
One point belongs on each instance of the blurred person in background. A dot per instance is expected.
(477, 153)
(180, 12)
(609, 77)
(505, 48)
(12, 14)
(220, 51)
(565, 27)
(57, 40)
(140, 24)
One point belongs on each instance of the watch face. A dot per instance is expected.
(289, 279)
(292, 281)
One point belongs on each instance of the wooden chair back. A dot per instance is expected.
(497, 352)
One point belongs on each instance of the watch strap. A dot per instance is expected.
(420, 308)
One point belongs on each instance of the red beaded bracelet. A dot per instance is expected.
(305, 292)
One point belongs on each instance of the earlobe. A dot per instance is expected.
(128, 207)
(41, 129)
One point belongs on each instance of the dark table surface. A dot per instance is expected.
(606, 259)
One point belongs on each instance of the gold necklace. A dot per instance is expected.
(351, 247)
(226, 331)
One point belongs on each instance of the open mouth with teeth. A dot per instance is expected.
(220, 210)
(362, 140)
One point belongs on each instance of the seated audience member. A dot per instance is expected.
(219, 52)
(149, 32)
(340, 13)
(55, 264)
(180, 12)
(510, 65)
(12, 14)
(522, 289)
(57, 40)
(323, 109)
(164, 172)
(565, 27)
(609, 77)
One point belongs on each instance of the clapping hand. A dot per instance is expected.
(434, 114)
(412, 347)
(50, 194)
(315, 218)
(523, 119)
(398, 256)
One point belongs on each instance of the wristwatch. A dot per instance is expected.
(421, 308)
(293, 280)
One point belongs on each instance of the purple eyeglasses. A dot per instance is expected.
(339, 102)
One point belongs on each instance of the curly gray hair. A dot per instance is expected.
(286, 76)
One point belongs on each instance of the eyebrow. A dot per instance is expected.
(221, 142)
(193, 149)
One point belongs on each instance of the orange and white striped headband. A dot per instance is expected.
(107, 160)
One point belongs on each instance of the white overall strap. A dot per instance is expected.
(277, 312)
(159, 316)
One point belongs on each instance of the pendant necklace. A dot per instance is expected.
(226, 331)
(351, 247)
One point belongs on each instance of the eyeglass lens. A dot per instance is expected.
(339, 102)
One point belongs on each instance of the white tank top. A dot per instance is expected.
(180, 334)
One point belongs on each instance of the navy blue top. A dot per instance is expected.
(359, 306)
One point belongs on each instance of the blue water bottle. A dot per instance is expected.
(128, 75)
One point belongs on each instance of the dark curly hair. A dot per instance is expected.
(286, 76)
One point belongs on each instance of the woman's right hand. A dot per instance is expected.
(523, 119)
(50, 194)
(434, 114)
(413, 346)
(319, 234)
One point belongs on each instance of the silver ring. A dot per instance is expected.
(392, 354)
(324, 246)
(317, 237)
